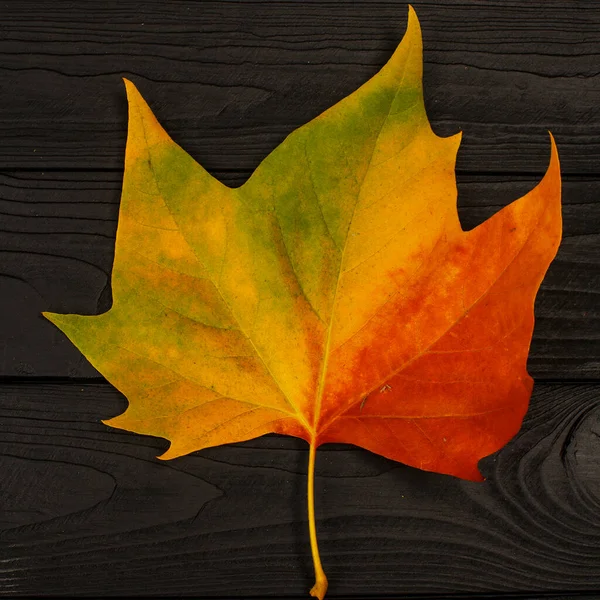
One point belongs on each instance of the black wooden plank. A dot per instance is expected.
(230, 80)
(87, 509)
(57, 241)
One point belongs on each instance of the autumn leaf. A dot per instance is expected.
(333, 297)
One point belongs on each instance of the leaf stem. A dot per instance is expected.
(320, 588)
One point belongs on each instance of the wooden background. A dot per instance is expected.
(87, 510)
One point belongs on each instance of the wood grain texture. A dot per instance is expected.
(57, 244)
(89, 510)
(229, 80)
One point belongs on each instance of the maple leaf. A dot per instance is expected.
(333, 296)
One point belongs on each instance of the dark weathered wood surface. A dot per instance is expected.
(85, 509)
(96, 513)
(229, 80)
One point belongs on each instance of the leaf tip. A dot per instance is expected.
(170, 453)
(551, 182)
(144, 130)
(469, 472)
(554, 161)
(133, 93)
(136, 102)
(405, 65)
(454, 140)
(69, 324)
(54, 318)
(412, 14)
(413, 28)
(115, 422)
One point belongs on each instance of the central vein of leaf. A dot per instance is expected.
(327, 351)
